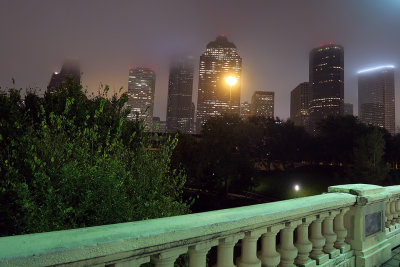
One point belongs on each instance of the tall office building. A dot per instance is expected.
(159, 126)
(326, 78)
(348, 109)
(141, 87)
(245, 109)
(376, 104)
(70, 69)
(262, 104)
(300, 98)
(193, 117)
(215, 96)
(180, 87)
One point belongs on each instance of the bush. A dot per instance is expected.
(78, 162)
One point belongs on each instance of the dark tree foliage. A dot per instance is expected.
(279, 141)
(231, 151)
(369, 165)
(220, 160)
(68, 161)
(337, 137)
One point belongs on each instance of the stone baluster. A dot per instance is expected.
(388, 216)
(225, 251)
(318, 240)
(341, 231)
(302, 244)
(286, 247)
(167, 258)
(198, 253)
(268, 255)
(393, 211)
(330, 235)
(398, 210)
(249, 249)
(136, 262)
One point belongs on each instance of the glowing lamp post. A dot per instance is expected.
(297, 188)
(231, 81)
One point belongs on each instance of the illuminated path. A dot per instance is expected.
(351, 225)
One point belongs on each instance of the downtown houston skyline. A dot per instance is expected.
(273, 38)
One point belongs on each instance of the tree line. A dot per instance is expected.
(232, 152)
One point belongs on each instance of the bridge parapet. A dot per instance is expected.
(351, 225)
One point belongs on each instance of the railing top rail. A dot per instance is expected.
(394, 189)
(146, 235)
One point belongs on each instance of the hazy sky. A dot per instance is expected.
(274, 39)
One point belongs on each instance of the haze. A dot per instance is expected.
(274, 39)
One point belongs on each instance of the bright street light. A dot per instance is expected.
(231, 80)
(297, 188)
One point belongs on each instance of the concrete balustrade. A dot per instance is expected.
(330, 235)
(249, 250)
(341, 231)
(398, 210)
(303, 244)
(268, 255)
(351, 225)
(318, 240)
(198, 253)
(286, 248)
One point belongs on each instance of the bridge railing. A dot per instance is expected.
(351, 225)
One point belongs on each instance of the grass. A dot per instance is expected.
(313, 180)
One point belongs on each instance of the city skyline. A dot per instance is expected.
(275, 58)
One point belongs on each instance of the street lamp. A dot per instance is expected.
(231, 81)
(297, 188)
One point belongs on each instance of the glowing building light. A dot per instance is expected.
(231, 80)
(376, 68)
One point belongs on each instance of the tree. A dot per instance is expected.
(79, 162)
(369, 166)
(337, 135)
(219, 160)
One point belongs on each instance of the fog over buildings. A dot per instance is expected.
(273, 38)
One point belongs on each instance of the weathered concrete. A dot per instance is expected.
(344, 240)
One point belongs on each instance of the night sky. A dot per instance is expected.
(274, 39)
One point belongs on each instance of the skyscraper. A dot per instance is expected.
(348, 109)
(69, 69)
(141, 87)
(262, 104)
(376, 104)
(245, 109)
(180, 87)
(215, 96)
(300, 98)
(326, 78)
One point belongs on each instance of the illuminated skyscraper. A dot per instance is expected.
(180, 87)
(326, 78)
(215, 96)
(300, 98)
(262, 104)
(141, 87)
(376, 104)
(245, 109)
(70, 69)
